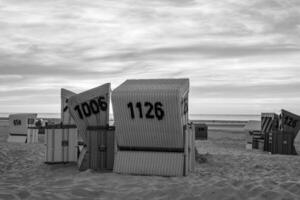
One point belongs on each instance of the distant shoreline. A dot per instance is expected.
(214, 122)
(202, 118)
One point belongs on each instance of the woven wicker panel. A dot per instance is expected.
(149, 163)
(32, 135)
(145, 126)
(61, 145)
(101, 149)
(269, 122)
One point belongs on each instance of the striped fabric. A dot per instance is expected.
(269, 124)
(32, 135)
(61, 145)
(269, 121)
(100, 147)
(151, 132)
(149, 163)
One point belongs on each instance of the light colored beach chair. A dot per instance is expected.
(151, 119)
(61, 139)
(18, 126)
(90, 108)
(252, 127)
(61, 143)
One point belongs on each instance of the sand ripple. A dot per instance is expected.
(226, 171)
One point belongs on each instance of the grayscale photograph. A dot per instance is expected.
(150, 100)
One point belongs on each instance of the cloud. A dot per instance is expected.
(194, 51)
(274, 90)
(230, 50)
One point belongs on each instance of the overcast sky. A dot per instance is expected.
(240, 56)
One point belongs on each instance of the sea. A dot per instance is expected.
(204, 117)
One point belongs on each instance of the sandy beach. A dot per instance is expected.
(225, 170)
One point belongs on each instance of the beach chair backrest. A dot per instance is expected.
(90, 108)
(151, 113)
(66, 117)
(289, 122)
(18, 123)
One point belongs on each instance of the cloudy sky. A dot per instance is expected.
(240, 56)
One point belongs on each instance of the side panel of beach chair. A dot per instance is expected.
(61, 144)
(57, 136)
(66, 118)
(269, 123)
(50, 145)
(282, 143)
(32, 135)
(69, 144)
(289, 123)
(286, 143)
(191, 147)
(101, 148)
(73, 145)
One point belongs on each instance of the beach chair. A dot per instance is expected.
(152, 132)
(282, 143)
(89, 108)
(200, 131)
(297, 143)
(281, 131)
(289, 124)
(18, 126)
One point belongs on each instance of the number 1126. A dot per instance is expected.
(153, 110)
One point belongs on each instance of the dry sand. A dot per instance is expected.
(226, 171)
